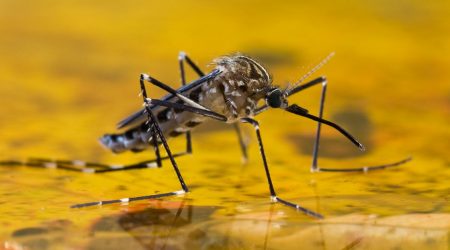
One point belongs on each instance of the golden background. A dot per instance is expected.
(69, 72)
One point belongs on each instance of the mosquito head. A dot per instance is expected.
(275, 98)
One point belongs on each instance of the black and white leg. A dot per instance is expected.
(232, 106)
(183, 57)
(273, 194)
(189, 103)
(83, 166)
(152, 122)
(242, 143)
(314, 166)
(159, 133)
(155, 145)
(151, 117)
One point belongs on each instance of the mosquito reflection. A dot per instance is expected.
(150, 228)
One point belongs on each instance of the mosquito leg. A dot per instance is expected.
(321, 80)
(366, 168)
(181, 59)
(140, 116)
(314, 166)
(273, 194)
(241, 142)
(156, 146)
(82, 166)
(232, 106)
(152, 128)
(153, 122)
(127, 200)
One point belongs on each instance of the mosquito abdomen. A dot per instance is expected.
(140, 138)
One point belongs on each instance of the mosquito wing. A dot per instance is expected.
(139, 116)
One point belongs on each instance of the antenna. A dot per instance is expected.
(309, 73)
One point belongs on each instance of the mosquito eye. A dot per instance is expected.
(274, 98)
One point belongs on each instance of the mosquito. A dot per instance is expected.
(230, 93)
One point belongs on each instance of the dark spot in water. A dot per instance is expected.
(121, 187)
(393, 186)
(41, 238)
(381, 190)
(356, 122)
(423, 191)
(215, 173)
(29, 231)
(337, 146)
(329, 146)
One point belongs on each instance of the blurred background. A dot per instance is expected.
(69, 72)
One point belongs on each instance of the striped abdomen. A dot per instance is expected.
(173, 123)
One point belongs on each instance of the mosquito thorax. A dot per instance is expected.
(275, 98)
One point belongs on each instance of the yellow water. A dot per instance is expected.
(69, 71)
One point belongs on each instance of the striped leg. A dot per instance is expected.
(82, 166)
(242, 144)
(314, 165)
(183, 57)
(153, 122)
(156, 146)
(273, 194)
